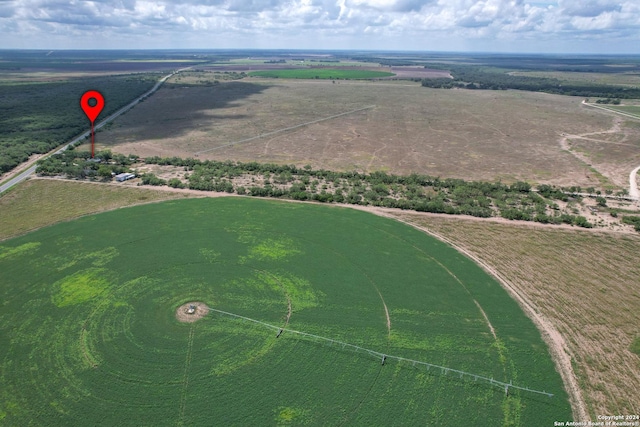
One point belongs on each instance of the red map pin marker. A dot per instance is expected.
(92, 112)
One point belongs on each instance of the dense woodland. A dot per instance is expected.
(37, 117)
(421, 193)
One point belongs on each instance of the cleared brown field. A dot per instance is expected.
(40, 202)
(584, 282)
(483, 135)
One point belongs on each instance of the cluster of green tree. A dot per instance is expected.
(632, 220)
(152, 179)
(417, 192)
(608, 101)
(471, 77)
(79, 164)
(37, 117)
(276, 61)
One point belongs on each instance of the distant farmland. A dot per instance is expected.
(89, 316)
(322, 73)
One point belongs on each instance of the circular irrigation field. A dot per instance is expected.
(92, 326)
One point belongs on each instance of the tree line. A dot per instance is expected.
(422, 193)
(471, 77)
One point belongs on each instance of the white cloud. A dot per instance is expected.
(391, 24)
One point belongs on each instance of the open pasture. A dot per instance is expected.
(89, 318)
(483, 135)
(37, 203)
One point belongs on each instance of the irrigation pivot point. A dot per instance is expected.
(92, 111)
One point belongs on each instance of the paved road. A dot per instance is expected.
(26, 173)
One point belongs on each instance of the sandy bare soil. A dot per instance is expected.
(201, 311)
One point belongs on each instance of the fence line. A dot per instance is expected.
(383, 357)
(284, 130)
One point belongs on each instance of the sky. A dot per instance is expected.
(561, 26)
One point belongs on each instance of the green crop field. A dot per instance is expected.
(90, 336)
(321, 73)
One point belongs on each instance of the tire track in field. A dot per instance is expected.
(359, 404)
(499, 346)
(185, 376)
(387, 316)
(493, 331)
(364, 273)
(550, 335)
(286, 294)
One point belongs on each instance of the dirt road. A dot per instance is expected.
(633, 184)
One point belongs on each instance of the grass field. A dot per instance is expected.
(483, 135)
(586, 283)
(38, 203)
(321, 73)
(89, 317)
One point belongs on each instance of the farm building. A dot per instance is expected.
(124, 176)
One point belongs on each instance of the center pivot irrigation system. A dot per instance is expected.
(384, 357)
